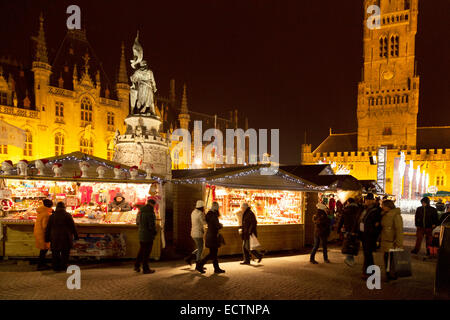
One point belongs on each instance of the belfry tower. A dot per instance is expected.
(388, 95)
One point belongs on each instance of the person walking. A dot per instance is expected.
(391, 231)
(43, 214)
(249, 224)
(369, 231)
(146, 221)
(198, 223)
(426, 219)
(212, 240)
(347, 224)
(60, 232)
(321, 232)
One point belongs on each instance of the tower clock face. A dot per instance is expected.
(388, 75)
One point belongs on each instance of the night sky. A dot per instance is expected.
(292, 65)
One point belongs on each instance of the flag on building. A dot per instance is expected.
(11, 135)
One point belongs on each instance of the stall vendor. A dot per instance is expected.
(119, 204)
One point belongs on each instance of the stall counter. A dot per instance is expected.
(18, 239)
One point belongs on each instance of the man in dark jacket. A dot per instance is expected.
(60, 232)
(347, 224)
(369, 230)
(426, 220)
(321, 232)
(146, 220)
(249, 224)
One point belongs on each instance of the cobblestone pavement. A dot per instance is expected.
(277, 277)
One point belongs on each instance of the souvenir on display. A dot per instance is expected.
(7, 167)
(57, 169)
(40, 166)
(22, 167)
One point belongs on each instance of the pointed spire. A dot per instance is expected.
(123, 78)
(184, 105)
(41, 47)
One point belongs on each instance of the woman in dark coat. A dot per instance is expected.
(60, 233)
(249, 224)
(321, 233)
(212, 239)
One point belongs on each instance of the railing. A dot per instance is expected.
(109, 102)
(19, 112)
(61, 92)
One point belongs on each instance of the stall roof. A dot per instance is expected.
(248, 177)
(309, 170)
(71, 169)
(334, 182)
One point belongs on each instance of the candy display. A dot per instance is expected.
(269, 206)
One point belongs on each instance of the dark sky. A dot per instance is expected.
(292, 65)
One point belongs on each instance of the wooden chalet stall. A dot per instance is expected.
(86, 194)
(279, 202)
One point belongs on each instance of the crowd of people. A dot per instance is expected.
(376, 224)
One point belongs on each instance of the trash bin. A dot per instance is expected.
(442, 282)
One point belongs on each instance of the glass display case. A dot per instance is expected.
(270, 206)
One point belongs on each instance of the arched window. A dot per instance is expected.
(406, 98)
(86, 111)
(28, 151)
(379, 101)
(387, 100)
(383, 47)
(394, 46)
(59, 144)
(86, 146)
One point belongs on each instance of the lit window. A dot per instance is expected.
(86, 111)
(28, 151)
(387, 131)
(3, 98)
(4, 149)
(59, 144)
(110, 121)
(383, 47)
(394, 46)
(86, 146)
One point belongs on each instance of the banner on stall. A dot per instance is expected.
(100, 245)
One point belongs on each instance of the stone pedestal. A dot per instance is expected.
(142, 145)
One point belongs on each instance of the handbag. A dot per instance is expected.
(220, 240)
(254, 243)
(399, 263)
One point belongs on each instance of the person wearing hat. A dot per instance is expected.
(212, 239)
(43, 214)
(321, 232)
(369, 230)
(426, 219)
(146, 221)
(198, 223)
(119, 204)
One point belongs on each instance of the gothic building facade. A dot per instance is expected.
(67, 102)
(418, 158)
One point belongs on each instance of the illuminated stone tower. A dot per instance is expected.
(388, 95)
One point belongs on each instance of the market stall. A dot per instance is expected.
(88, 186)
(278, 201)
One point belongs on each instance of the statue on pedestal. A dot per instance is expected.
(143, 85)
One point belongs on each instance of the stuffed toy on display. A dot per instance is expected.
(22, 167)
(134, 172)
(84, 166)
(57, 169)
(7, 167)
(40, 166)
(101, 171)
